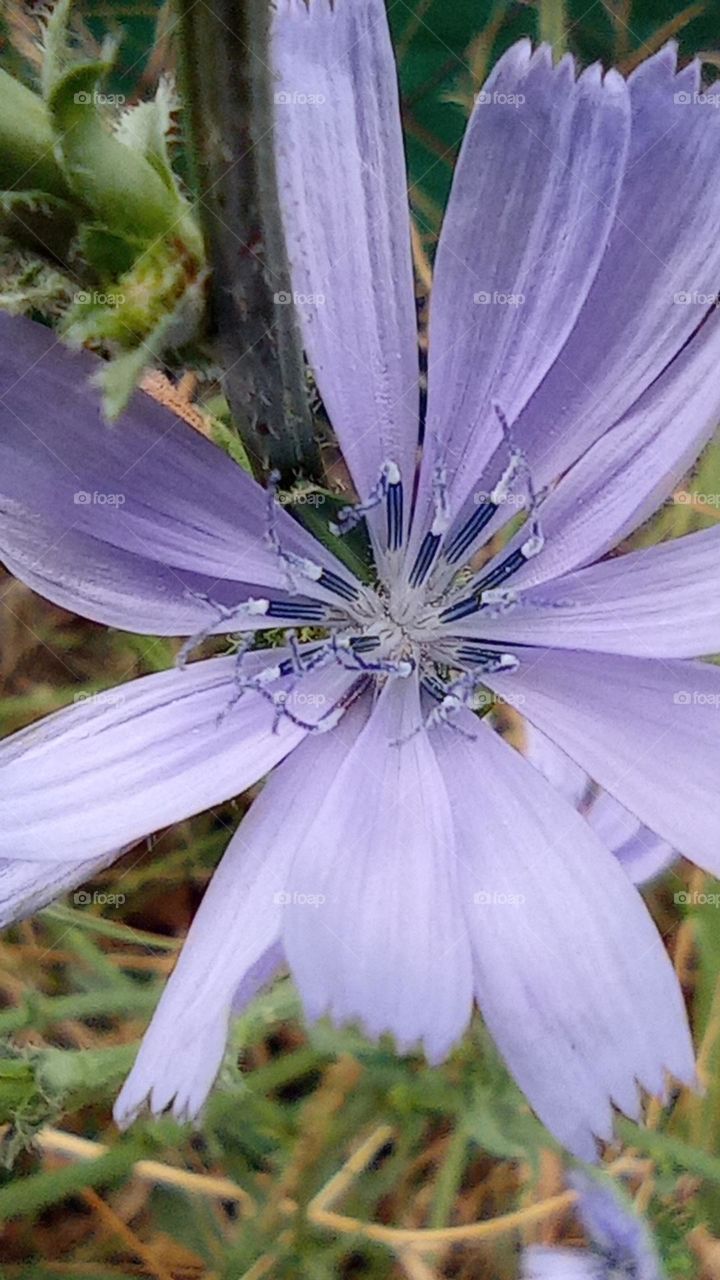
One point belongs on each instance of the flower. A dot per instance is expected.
(403, 858)
(620, 1244)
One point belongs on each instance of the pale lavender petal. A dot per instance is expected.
(119, 765)
(543, 1262)
(642, 853)
(344, 187)
(564, 775)
(571, 974)
(663, 243)
(630, 471)
(384, 941)
(146, 500)
(646, 731)
(616, 1231)
(122, 589)
(532, 204)
(233, 947)
(27, 887)
(660, 602)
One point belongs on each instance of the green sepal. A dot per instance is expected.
(27, 141)
(124, 191)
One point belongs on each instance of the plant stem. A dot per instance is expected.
(228, 88)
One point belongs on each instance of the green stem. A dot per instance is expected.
(41, 1012)
(31, 1194)
(108, 928)
(449, 1179)
(664, 1147)
(552, 25)
(228, 89)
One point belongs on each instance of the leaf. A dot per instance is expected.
(26, 141)
(147, 127)
(125, 192)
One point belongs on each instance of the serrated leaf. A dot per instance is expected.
(147, 126)
(125, 192)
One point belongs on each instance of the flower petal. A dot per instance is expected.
(113, 768)
(660, 602)
(543, 1262)
(119, 588)
(571, 975)
(147, 501)
(646, 731)
(532, 204)
(642, 853)
(344, 185)
(27, 887)
(619, 1234)
(631, 469)
(385, 942)
(661, 259)
(233, 945)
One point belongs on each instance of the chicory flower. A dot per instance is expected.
(402, 858)
(620, 1245)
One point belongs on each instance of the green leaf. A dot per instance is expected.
(147, 126)
(125, 192)
(27, 157)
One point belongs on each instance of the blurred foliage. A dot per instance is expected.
(250, 1192)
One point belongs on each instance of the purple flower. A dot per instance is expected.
(620, 1244)
(402, 858)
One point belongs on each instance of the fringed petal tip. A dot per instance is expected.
(434, 1048)
(628, 1098)
(179, 1082)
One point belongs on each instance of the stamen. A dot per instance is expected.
(472, 529)
(295, 564)
(348, 657)
(489, 659)
(394, 502)
(364, 644)
(430, 545)
(248, 609)
(338, 585)
(388, 489)
(462, 609)
(288, 611)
